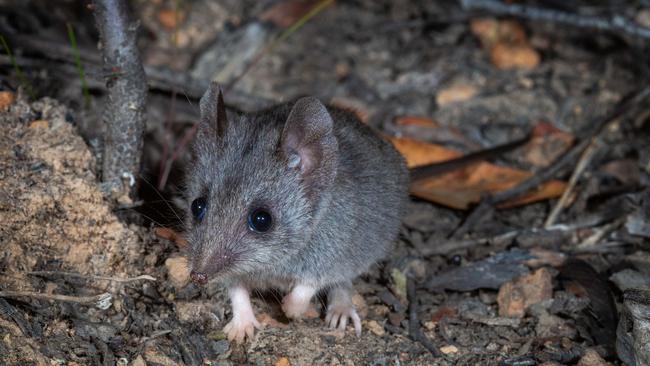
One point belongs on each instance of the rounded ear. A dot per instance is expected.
(213, 111)
(309, 145)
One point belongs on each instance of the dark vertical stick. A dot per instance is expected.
(124, 113)
(415, 332)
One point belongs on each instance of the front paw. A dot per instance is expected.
(239, 328)
(338, 315)
(294, 309)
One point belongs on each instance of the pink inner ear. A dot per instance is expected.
(307, 160)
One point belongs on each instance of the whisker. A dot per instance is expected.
(164, 200)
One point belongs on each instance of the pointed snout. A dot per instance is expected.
(199, 278)
(210, 267)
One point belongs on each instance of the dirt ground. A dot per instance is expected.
(533, 297)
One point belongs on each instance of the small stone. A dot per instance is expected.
(283, 361)
(455, 94)
(375, 328)
(430, 326)
(153, 355)
(6, 99)
(139, 361)
(449, 349)
(592, 358)
(178, 271)
(553, 326)
(197, 312)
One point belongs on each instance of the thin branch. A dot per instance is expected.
(102, 301)
(96, 278)
(595, 128)
(562, 203)
(614, 24)
(415, 332)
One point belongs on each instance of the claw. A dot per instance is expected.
(340, 310)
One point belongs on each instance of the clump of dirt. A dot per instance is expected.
(52, 209)
(54, 218)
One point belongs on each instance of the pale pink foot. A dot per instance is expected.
(340, 310)
(243, 322)
(297, 302)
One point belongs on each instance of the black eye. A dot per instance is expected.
(259, 220)
(199, 206)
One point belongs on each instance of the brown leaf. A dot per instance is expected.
(547, 144)
(507, 43)
(416, 121)
(285, 13)
(516, 296)
(171, 235)
(419, 153)
(170, 18)
(6, 99)
(625, 171)
(443, 312)
(509, 56)
(467, 185)
(283, 361)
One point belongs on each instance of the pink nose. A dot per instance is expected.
(199, 278)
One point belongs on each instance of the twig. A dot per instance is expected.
(549, 172)
(159, 78)
(615, 23)
(124, 112)
(433, 247)
(98, 278)
(415, 332)
(583, 163)
(598, 234)
(102, 301)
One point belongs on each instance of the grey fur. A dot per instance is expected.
(329, 226)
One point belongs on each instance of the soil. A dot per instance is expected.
(59, 234)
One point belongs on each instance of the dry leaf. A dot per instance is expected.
(516, 296)
(6, 99)
(508, 56)
(170, 18)
(466, 186)
(285, 13)
(455, 94)
(419, 153)
(507, 43)
(416, 121)
(171, 235)
(547, 144)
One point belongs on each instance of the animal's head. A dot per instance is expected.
(254, 185)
